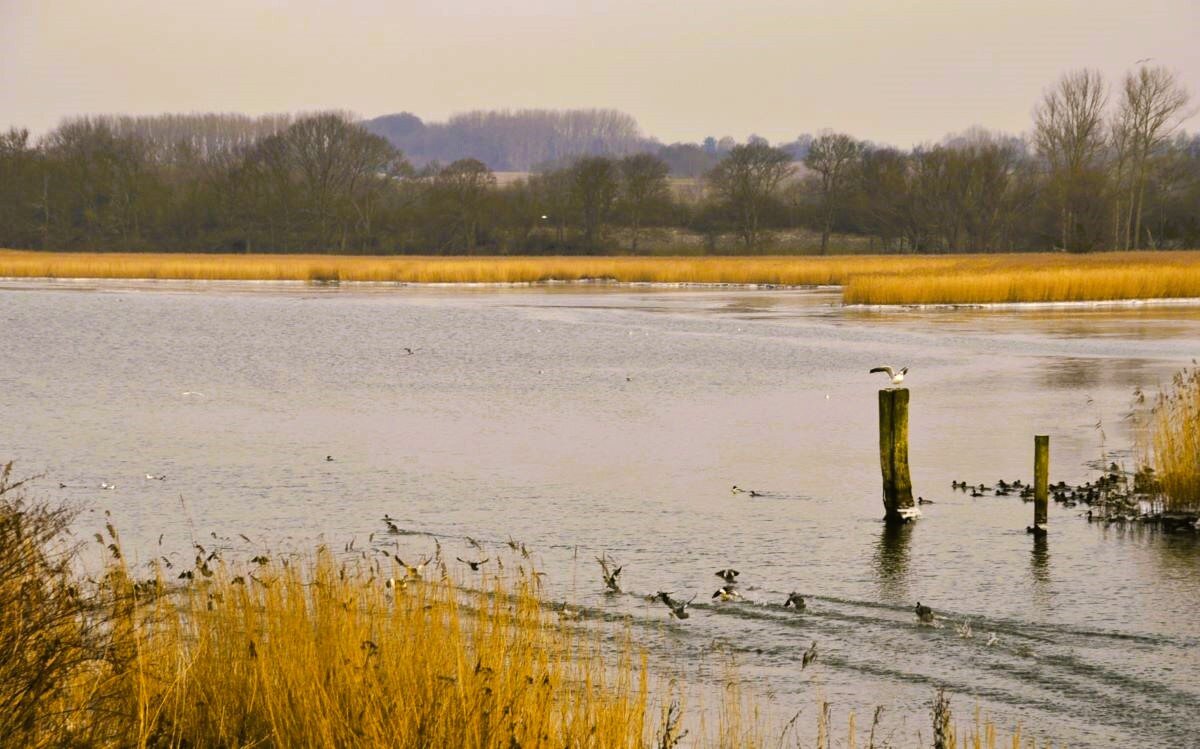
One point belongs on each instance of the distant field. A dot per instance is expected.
(866, 279)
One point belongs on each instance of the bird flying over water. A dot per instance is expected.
(728, 575)
(610, 575)
(473, 565)
(727, 593)
(897, 375)
(810, 655)
(678, 608)
(413, 572)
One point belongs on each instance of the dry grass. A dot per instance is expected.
(868, 279)
(1175, 440)
(320, 652)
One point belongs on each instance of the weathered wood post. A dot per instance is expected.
(893, 455)
(1041, 479)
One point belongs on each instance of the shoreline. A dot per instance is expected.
(608, 283)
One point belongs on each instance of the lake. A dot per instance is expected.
(589, 419)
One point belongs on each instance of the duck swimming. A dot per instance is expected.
(924, 613)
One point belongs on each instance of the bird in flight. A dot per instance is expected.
(473, 565)
(678, 608)
(810, 655)
(728, 575)
(727, 592)
(610, 575)
(896, 375)
(1144, 59)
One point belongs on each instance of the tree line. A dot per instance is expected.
(1100, 170)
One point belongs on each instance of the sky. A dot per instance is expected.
(900, 72)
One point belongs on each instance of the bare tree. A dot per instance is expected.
(745, 180)
(1153, 105)
(594, 189)
(1069, 134)
(465, 185)
(643, 186)
(833, 157)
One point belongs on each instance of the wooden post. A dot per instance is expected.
(893, 455)
(1041, 479)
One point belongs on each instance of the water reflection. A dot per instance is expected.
(1039, 560)
(891, 561)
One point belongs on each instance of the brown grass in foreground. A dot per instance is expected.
(320, 653)
(1175, 441)
(868, 279)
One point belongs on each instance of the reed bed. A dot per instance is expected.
(1093, 283)
(322, 651)
(866, 279)
(1175, 440)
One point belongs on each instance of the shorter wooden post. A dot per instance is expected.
(893, 455)
(1041, 479)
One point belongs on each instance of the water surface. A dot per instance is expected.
(589, 420)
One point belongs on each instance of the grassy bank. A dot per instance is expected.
(867, 279)
(325, 650)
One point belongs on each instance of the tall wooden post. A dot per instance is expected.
(893, 455)
(1041, 479)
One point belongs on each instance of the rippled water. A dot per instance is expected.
(582, 420)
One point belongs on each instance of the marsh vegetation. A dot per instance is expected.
(866, 279)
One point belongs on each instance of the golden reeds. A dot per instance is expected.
(325, 651)
(867, 279)
(1175, 441)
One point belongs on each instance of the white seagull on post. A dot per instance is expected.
(896, 375)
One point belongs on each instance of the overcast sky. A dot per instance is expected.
(892, 71)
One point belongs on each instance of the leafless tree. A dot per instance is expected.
(833, 157)
(643, 187)
(745, 180)
(1153, 105)
(1069, 135)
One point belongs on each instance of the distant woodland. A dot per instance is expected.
(1103, 166)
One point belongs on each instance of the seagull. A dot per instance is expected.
(924, 613)
(897, 376)
(795, 601)
(192, 392)
(810, 655)
(610, 576)
(105, 485)
(678, 608)
(729, 575)
(159, 477)
(473, 565)
(727, 593)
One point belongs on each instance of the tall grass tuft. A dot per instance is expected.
(1175, 440)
